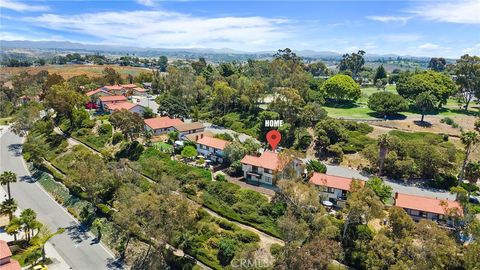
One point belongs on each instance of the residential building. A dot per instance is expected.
(420, 207)
(212, 148)
(104, 100)
(333, 188)
(135, 108)
(138, 91)
(6, 263)
(161, 125)
(115, 89)
(193, 137)
(97, 93)
(268, 168)
(189, 128)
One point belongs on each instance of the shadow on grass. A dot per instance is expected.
(396, 116)
(422, 123)
(412, 109)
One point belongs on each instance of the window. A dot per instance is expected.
(414, 212)
(330, 190)
(268, 179)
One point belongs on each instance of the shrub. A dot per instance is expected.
(226, 251)
(447, 120)
(245, 236)
(316, 166)
(275, 249)
(117, 137)
(335, 150)
(105, 129)
(220, 177)
(131, 150)
(443, 181)
(104, 209)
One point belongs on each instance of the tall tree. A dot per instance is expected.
(172, 106)
(437, 64)
(352, 62)
(380, 73)
(341, 87)
(223, 94)
(382, 190)
(467, 70)
(64, 99)
(130, 123)
(162, 63)
(469, 140)
(111, 76)
(384, 144)
(6, 178)
(425, 102)
(8, 207)
(472, 174)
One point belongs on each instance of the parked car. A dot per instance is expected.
(474, 200)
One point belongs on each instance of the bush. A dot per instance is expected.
(443, 181)
(335, 150)
(245, 236)
(105, 129)
(447, 120)
(104, 209)
(226, 251)
(275, 249)
(131, 150)
(117, 137)
(220, 177)
(316, 166)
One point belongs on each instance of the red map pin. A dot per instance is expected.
(273, 138)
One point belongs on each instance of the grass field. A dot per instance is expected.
(360, 110)
(68, 71)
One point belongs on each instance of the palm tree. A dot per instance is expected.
(472, 174)
(6, 178)
(469, 139)
(98, 223)
(383, 144)
(40, 239)
(29, 221)
(8, 207)
(14, 227)
(425, 102)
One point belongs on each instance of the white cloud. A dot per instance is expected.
(429, 46)
(475, 49)
(19, 6)
(170, 29)
(148, 3)
(460, 11)
(389, 19)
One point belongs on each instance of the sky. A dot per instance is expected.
(430, 28)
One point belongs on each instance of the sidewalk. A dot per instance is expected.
(58, 263)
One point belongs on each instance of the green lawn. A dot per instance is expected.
(5, 121)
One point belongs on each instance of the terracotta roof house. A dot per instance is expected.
(333, 188)
(420, 207)
(266, 168)
(115, 89)
(193, 137)
(104, 100)
(189, 128)
(212, 148)
(6, 263)
(97, 93)
(135, 108)
(161, 125)
(138, 91)
(130, 85)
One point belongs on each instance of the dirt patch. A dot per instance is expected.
(465, 122)
(354, 161)
(68, 71)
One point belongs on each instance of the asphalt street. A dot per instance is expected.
(75, 246)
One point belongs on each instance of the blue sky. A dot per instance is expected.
(419, 28)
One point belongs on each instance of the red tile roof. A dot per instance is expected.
(189, 126)
(12, 265)
(139, 89)
(213, 142)
(331, 181)
(162, 122)
(426, 204)
(121, 105)
(131, 85)
(113, 87)
(97, 91)
(4, 250)
(112, 98)
(268, 160)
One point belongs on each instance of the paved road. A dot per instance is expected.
(396, 186)
(76, 246)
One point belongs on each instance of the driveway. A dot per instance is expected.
(76, 246)
(396, 185)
